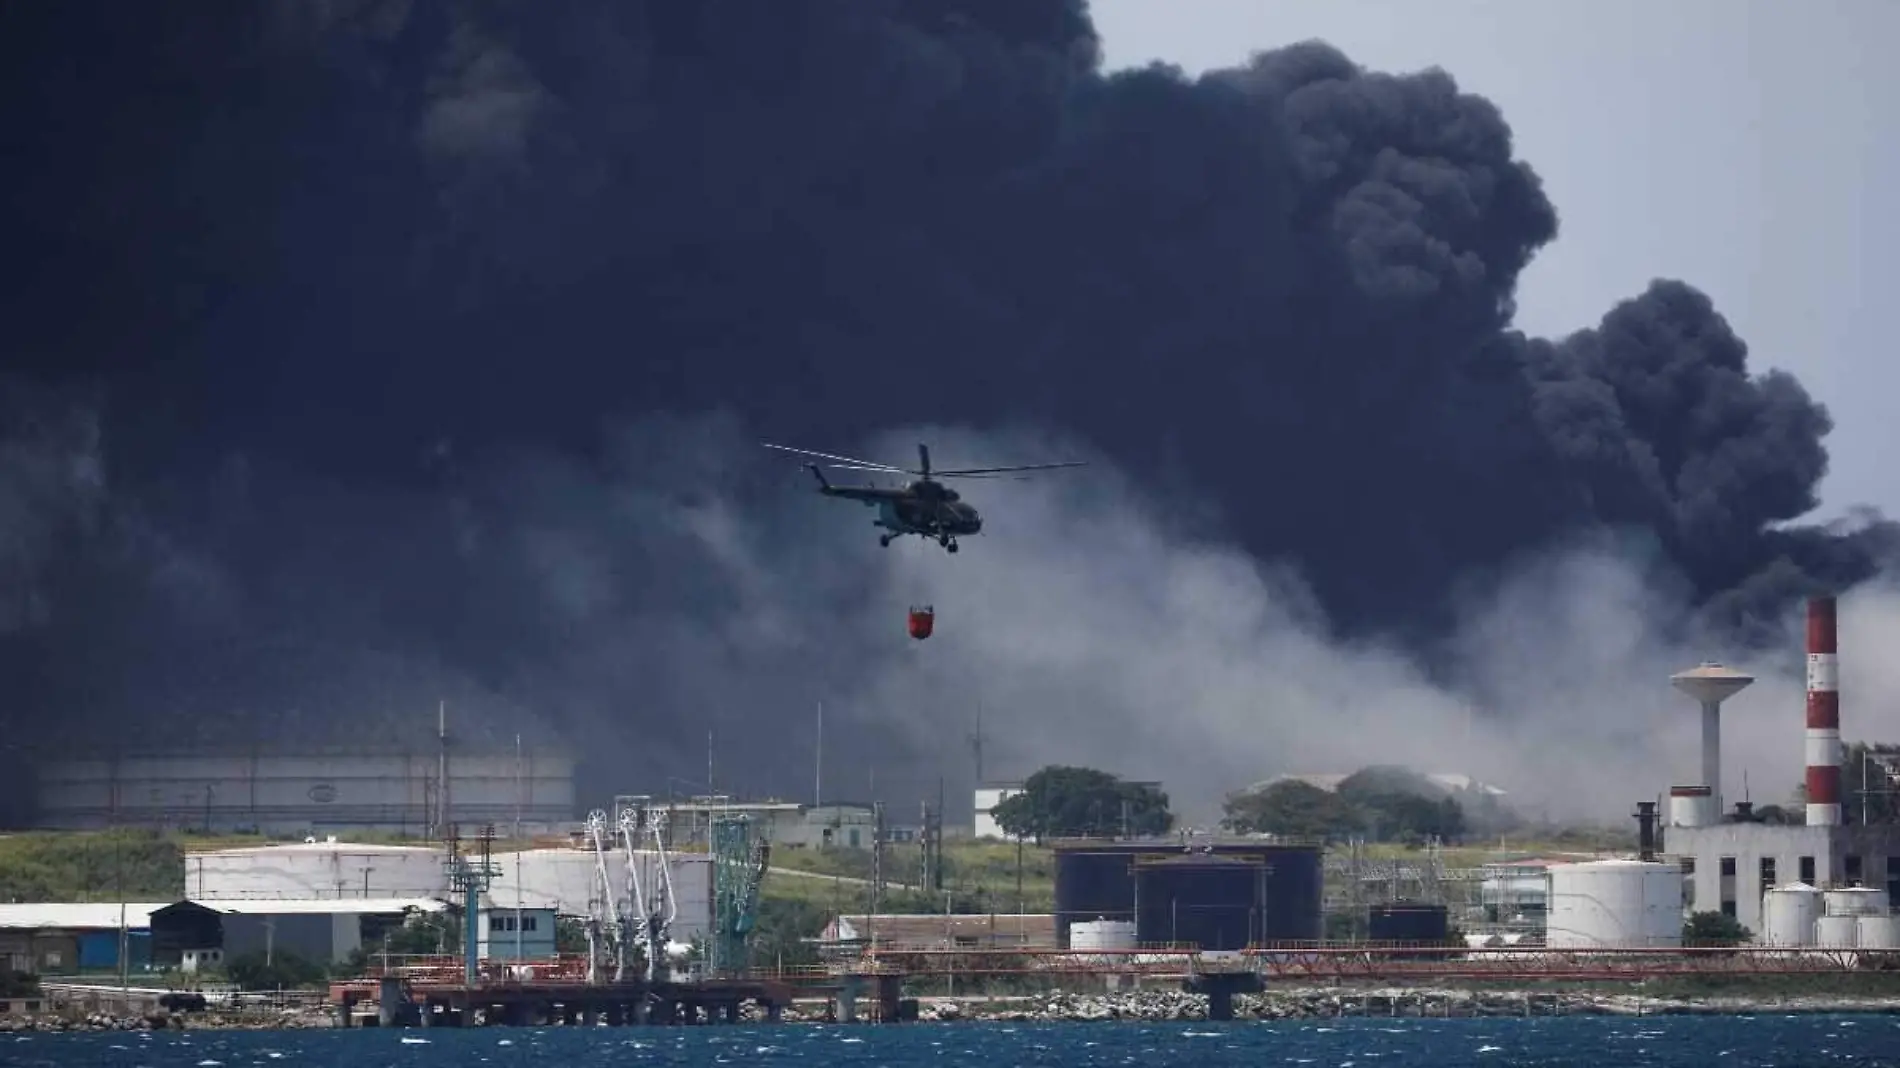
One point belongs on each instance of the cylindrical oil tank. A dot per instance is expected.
(307, 870)
(1857, 901)
(1624, 904)
(1212, 902)
(1788, 915)
(1295, 894)
(1093, 881)
(1102, 935)
(1419, 924)
(1837, 932)
(1877, 932)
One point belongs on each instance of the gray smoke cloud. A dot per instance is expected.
(1097, 621)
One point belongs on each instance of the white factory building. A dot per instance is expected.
(562, 879)
(1824, 883)
(309, 791)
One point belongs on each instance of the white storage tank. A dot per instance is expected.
(1102, 936)
(1837, 932)
(1789, 914)
(1623, 904)
(564, 880)
(1878, 932)
(322, 869)
(1857, 901)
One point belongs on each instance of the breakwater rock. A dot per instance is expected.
(1330, 1003)
(289, 1019)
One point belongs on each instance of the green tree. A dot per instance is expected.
(783, 931)
(1070, 802)
(1289, 807)
(1397, 804)
(282, 969)
(1714, 929)
(570, 935)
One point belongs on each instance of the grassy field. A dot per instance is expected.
(979, 876)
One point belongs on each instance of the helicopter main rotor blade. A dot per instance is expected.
(976, 471)
(856, 464)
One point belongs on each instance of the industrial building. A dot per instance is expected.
(515, 934)
(987, 797)
(1729, 860)
(848, 825)
(186, 933)
(1216, 894)
(306, 791)
(1822, 883)
(62, 939)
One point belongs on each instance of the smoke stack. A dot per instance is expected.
(1646, 830)
(1711, 684)
(1824, 716)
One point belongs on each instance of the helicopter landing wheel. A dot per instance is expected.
(884, 540)
(952, 546)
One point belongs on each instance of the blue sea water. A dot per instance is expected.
(1614, 1042)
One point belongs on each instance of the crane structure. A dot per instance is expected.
(739, 862)
(655, 906)
(606, 917)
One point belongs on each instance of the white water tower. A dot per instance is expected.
(1710, 685)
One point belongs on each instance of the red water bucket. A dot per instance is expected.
(922, 621)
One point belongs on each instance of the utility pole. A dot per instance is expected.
(818, 761)
(442, 771)
(976, 743)
(125, 938)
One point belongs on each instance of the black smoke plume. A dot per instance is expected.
(362, 354)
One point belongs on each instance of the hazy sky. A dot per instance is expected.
(1749, 148)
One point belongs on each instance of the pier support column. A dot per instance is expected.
(1220, 988)
(389, 1002)
(346, 1010)
(890, 990)
(848, 999)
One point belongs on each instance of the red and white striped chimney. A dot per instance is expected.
(1824, 716)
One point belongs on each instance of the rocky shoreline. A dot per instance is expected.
(1152, 1006)
(1334, 1003)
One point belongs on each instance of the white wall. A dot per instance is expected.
(295, 794)
(564, 879)
(987, 798)
(320, 870)
(534, 940)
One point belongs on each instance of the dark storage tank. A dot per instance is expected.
(1204, 900)
(1295, 894)
(1415, 923)
(1094, 881)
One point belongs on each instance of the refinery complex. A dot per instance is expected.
(667, 894)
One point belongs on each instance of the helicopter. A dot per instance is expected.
(924, 507)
